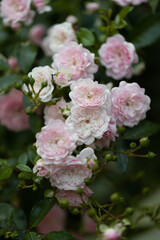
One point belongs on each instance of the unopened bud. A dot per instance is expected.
(63, 203)
(18, 85)
(121, 129)
(128, 211)
(92, 164)
(92, 212)
(75, 211)
(87, 181)
(44, 84)
(150, 155)
(32, 81)
(144, 142)
(133, 145)
(49, 193)
(29, 110)
(116, 198)
(79, 191)
(26, 79)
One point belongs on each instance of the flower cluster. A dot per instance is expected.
(64, 145)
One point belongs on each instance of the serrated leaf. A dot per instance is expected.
(35, 123)
(40, 210)
(26, 56)
(24, 168)
(32, 236)
(60, 236)
(143, 129)
(86, 37)
(8, 81)
(146, 32)
(23, 158)
(5, 173)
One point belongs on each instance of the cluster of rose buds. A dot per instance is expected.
(91, 116)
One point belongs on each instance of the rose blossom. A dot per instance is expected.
(70, 177)
(87, 93)
(74, 199)
(42, 169)
(40, 75)
(58, 35)
(15, 12)
(92, 7)
(111, 234)
(89, 123)
(53, 221)
(109, 135)
(129, 104)
(78, 61)
(71, 19)
(41, 6)
(54, 111)
(36, 34)
(12, 113)
(55, 142)
(127, 2)
(117, 56)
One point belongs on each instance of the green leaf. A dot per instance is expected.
(23, 158)
(154, 4)
(3, 161)
(5, 173)
(25, 175)
(86, 37)
(122, 159)
(24, 168)
(40, 210)
(124, 12)
(32, 236)
(35, 123)
(27, 102)
(26, 56)
(146, 32)
(8, 81)
(143, 129)
(59, 236)
(3, 63)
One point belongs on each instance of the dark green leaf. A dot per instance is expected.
(144, 129)
(32, 236)
(23, 158)
(25, 175)
(27, 102)
(24, 168)
(26, 57)
(59, 236)
(8, 81)
(124, 12)
(154, 4)
(86, 37)
(146, 32)
(122, 159)
(35, 123)
(3, 63)
(5, 173)
(40, 210)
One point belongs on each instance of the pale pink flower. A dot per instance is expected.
(54, 221)
(42, 169)
(41, 6)
(62, 77)
(129, 104)
(70, 177)
(87, 93)
(109, 135)
(40, 75)
(54, 111)
(16, 12)
(71, 19)
(13, 63)
(92, 7)
(86, 154)
(117, 56)
(128, 2)
(58, 35)
(78, 61)
(12, 113)
(74, 199)
(89, 123)
(37, 33)
(111, 234)
(55, 142)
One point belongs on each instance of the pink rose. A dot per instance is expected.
(78, 61)
(41, 6)
(13, 63)
(89, 123)
(36, 33)
(58, 35)
(16, 12)
(12, 113)
(70, 177)
(129, 104)
(117, 56)
(55, 142)
(109, 135)
(127, 2)
(74, 199)
(53, 221)
(71, 19)
(92, 7)
(87, 93)
(42, 169)
(111, 234)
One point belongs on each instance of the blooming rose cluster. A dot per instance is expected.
(128, 2)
